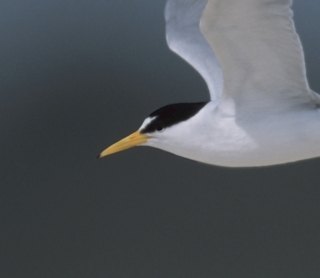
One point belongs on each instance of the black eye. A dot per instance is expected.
(159, 128)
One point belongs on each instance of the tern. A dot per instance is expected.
(261, 110)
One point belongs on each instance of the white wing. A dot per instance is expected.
(259, 51)
(184, 38)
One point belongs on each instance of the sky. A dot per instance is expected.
(78, 75)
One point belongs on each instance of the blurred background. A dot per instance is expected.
(77, 75)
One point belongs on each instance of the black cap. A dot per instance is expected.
(172, 114)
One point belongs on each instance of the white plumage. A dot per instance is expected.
(262, 111)
(266, 113)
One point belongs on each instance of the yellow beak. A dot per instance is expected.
(128, 142)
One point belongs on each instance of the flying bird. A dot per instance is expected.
(261, 110)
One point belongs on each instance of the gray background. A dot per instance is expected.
(78, 75)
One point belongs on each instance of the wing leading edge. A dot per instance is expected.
(185, 38)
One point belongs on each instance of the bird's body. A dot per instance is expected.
(262, 111)
(249, 140)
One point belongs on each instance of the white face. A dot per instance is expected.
(167, 138)
(146, 122)
(157, 135)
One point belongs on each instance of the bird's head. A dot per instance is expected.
(157, 127)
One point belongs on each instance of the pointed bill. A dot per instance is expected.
(133, 140)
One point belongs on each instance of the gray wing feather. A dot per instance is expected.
(259, 51)
(185, 38)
